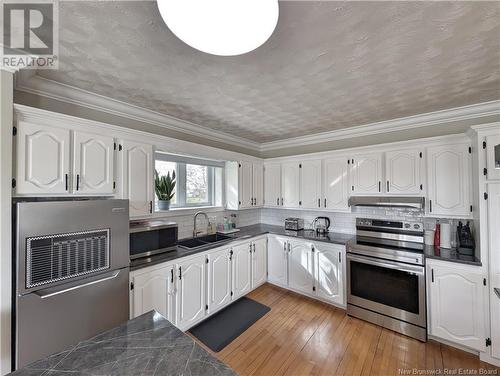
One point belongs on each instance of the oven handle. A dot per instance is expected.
(387, 264)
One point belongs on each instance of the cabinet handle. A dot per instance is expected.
(430, 206)
(387, 185)
(180, 272)
(497, 292)
(281, 201)
(325, 202)
(340, 257)
(278, 201)
(151, 207)
(77, 181)
(288, 247)
(253, 247)
(172, 275)
(250, 248)
(319, 203)
(432, 275)
(353, 187)
(379, 186)
(66, 177)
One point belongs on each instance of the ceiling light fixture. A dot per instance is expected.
(221, 27)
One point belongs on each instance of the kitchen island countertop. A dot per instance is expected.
(147, 345)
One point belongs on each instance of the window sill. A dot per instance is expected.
(176, 212)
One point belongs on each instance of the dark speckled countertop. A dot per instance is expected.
(450, 254)
(245, 232)
(147, 345)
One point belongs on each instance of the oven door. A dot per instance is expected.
(393, 289)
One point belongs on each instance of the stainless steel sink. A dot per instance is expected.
(203, 241)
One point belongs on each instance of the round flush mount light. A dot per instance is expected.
(221, 27)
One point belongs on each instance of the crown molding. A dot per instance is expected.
(471, 112)
(31, 83)
(28, 81)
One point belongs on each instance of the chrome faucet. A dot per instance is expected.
(195, 232)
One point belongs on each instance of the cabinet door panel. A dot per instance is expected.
(449, 180)
(290, 184)
(366, 174)
(329, 274)
(258, 184)
(138, 177)
(494, 254)
(310, 186)
(154, 290)
(43, 159)
(300, 268)
(457, 301)
(272, 185)
(93, 163)
(191, 292)
(335, 184)
(403, 175)
(277, 260)
(242, 270)
(245, 184)
(259, 263)
(493, 157)
(219, 279)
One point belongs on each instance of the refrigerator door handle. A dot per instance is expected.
(46, 294)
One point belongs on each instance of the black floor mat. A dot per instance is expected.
(222, 328)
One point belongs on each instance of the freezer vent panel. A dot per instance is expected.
(55, 258)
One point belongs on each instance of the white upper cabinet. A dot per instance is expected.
(137, 177)
(310, 184)
(154, 290)
(93, 163)
(42, 160)
(242, 269)
(246, 185)
(277, 260)
(335, 184)
(493, 157)
(290, 184)
(300, 266)
(259, 262)
(366, 174)
(219, 279)
(191, 291)
(272, 184)
(329, 272)
(448, 180)
(258, 184)
(403, 172)
(457, 304)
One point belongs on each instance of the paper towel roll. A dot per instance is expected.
(445, 235)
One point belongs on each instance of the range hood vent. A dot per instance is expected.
(414, 203)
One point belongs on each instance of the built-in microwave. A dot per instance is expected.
(148, 238)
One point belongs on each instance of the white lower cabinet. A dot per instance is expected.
(329, 272)
(259, 262)
(242, 267)
(219, 279)
(191, 290)
(277, 260)
(457, 300)
(314, 269)
(300, 266)
(154, 290)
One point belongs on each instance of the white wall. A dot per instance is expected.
(6, 90)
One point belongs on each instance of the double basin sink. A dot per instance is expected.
(203, 241)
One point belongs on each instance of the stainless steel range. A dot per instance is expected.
(386, 276)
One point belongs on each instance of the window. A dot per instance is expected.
(198, 182)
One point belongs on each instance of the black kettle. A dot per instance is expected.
(321, 225)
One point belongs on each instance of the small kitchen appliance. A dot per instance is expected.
(321, 225)
(294, 224)
(465, 241)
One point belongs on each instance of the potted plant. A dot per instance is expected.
(165, 189)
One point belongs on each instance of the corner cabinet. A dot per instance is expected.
(290, 184)
(457, 300)
(137, 177)
(272, 185)
(449, 180)
(244, 185)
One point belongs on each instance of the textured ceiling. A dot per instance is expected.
(329, 65)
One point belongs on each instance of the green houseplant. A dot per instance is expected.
(165, 189)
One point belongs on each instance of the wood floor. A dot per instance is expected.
(301, 336)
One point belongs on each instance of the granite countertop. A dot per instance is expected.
(450, 254)
(147, 345)
(244, 233)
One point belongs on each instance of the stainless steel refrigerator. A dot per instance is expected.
(71, 273)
